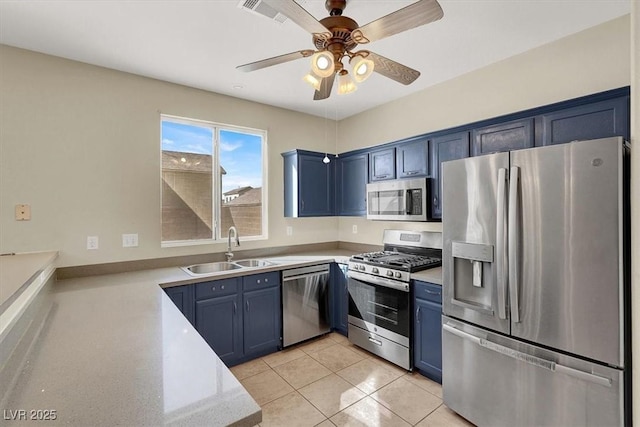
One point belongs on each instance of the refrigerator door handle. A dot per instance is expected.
(501, 242)
(514, 232)
(528, 358)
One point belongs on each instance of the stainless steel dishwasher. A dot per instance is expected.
(305, 303)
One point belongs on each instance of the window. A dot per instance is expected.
(213, 177)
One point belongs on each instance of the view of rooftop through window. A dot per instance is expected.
(194, 199)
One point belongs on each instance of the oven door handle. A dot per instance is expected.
(408, 202)
(381, 281)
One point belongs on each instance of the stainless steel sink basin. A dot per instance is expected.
(211, 267)
(254, 263)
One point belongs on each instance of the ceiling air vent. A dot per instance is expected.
(261, 8)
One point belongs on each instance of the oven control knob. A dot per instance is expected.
(389, 273)
(362, 268)
(375, 270)
(398, 274)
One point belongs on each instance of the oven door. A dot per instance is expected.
(379, 309)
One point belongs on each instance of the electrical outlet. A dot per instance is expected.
(92, 242)
(130, 240)
(354, 229)
(23, 212)
(289, 230)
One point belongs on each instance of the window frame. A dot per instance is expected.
(218, 235)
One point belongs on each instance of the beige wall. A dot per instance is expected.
(81, 145)
(588, 62)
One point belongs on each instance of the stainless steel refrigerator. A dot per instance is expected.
(536, 286)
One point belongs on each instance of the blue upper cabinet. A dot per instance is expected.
(309, 184)
(590, 121)
(444, 148)
(509, 136)
(412, 158)
(382, 164)
(351, 184)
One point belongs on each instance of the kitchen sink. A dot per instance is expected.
(254, 263)
(211, 267)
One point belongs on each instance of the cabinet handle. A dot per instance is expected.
(418, 314)
(411, 173)
(383, 176)
(258, 281)
(222, 287)
(235, 308)
(435, 200)
(302, 204)
(266, 280)
(432, 292)
(247, 304)
(213, 288)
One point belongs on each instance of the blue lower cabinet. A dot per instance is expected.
(261, 323)
(240, 318)
(427, 337)
(218, 321)
(339, 298)
(182, 297)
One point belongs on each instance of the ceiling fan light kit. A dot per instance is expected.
(346, 84)
(322, 64)
(362, 67)
(336, 36)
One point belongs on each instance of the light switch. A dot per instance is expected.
(92, 242)
(129, 240)
(23, 212)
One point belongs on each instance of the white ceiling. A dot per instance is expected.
(199, 43)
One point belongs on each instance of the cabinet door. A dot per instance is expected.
(316, 186)
(218, 321)
(514, 135)
(598, 120)
(262, 320)
(382, 164)
(444, 148)
(428, 339)
(351, 185)
(412, 159)
(339, 298)
(183, 298)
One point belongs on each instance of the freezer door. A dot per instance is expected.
(565, 253)
(474, 262)
(496, 381)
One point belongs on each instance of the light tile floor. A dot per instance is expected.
(329, 382)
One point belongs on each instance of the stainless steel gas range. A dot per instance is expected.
(380, 293)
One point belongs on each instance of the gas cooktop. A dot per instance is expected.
(398, 260)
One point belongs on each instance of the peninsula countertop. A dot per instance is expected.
(116, 351)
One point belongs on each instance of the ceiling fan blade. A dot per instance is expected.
(393, 70)
(325, 88)
(275, 60)
(419, 13)
(300, 16)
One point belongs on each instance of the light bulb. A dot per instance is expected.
(326, 159)
(345, 83)
(362, 68)
(322, 64)
(313, 80)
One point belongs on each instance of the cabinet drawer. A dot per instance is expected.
(428, 291)
(216, 288)
(260, 281)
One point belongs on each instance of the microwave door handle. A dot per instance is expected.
(408, 202)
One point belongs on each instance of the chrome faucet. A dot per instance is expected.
(234, 231)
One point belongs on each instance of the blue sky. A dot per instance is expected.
(240, 153)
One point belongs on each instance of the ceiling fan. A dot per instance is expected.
(335, 38)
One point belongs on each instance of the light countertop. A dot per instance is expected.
(116, 351)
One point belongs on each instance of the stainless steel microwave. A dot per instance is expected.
(399, 200)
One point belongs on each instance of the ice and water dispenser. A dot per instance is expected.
(473, 275)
